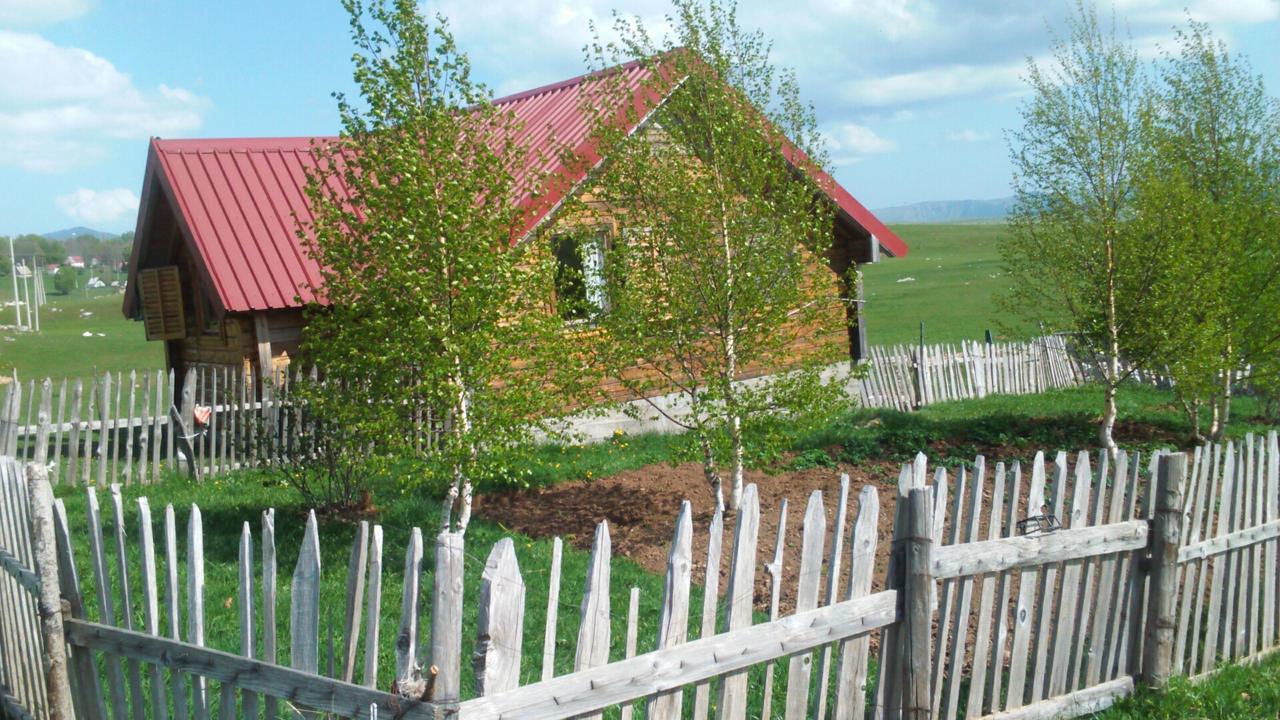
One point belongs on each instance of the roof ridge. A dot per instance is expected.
(232, 144)
(561, 84)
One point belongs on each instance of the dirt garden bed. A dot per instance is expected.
(641, 507)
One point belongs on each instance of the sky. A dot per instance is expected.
(913, 96)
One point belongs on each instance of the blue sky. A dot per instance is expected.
(913, 95)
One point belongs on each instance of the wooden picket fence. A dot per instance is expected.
(1227, 560)
(1012, 592)
(129, 427)
(22, 683)
(909, 377)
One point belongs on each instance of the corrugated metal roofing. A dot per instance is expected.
(237, 199)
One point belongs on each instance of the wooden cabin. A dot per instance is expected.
(219, 275)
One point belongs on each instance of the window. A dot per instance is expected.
(162, 310)
(580, 280)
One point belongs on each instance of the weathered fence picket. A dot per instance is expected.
(814, 532)
(594, 627)
(499, 622)
(853, 660)
(673, 623)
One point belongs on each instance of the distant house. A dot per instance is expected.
(76, 261)
(219, 275)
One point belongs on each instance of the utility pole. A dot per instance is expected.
(13, 270)
(37, 279)
(26, 294)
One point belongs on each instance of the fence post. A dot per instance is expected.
(1162, 544)
(918, 369)
(917, 618)
(446, 618)
(44, 545)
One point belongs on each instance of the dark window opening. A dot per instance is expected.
(580, 280)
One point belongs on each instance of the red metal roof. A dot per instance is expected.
(236, 199)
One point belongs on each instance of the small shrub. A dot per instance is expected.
(858, 448)
(811, 458)
(64, 281)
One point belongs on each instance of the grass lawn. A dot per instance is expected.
(949, 281)
(1234, 693)
(1003, 427)
(60, 349)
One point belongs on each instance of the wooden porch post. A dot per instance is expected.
(262, 334)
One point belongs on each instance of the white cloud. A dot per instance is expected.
(58, 105)
(853, 56)
(859, 139)
(536, 42)
(98, 206)
(935, 83)
(849, 143)
(968, 136)
(1215, 12)
(34, 12)
(894, 19)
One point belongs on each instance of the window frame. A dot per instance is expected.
(601, 237)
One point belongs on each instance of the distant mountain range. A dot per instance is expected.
(77, 231)
(942, 211)
(932, 211)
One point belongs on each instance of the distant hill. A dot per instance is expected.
(77, 231)
(944, 211)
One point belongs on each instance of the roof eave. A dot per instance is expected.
(157, 180)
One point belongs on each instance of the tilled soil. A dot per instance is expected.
(641, 507)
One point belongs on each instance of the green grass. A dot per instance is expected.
(1234, 693)
(957, 276)
(1004, 427)
(60, 348)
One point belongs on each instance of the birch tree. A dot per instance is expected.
(1209, 189)
(432, 336)
(1073, 252)
(719, 268)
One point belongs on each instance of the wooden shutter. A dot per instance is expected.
(161, 290)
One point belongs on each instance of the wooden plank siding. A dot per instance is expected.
(230, 339)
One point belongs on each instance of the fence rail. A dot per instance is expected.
(1023, 590)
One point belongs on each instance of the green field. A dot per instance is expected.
(60, 349)
(955, 276)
